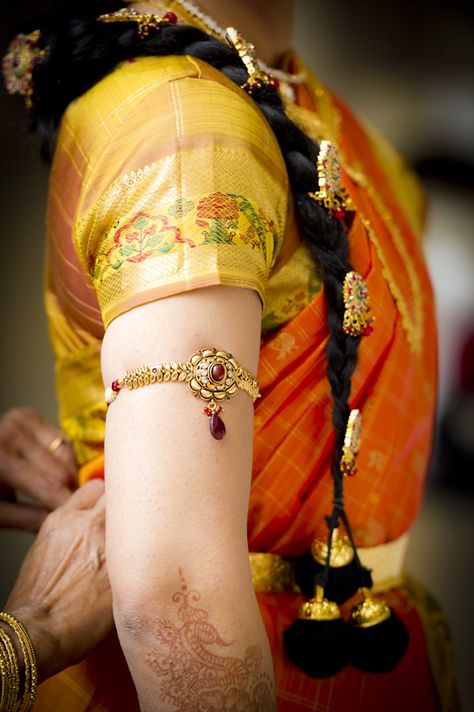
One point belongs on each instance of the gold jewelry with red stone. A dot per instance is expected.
(331, 194)
(356, 320)
(23, 55)
(212, 375)
(257, 79)
(146, 22)
(351, 446)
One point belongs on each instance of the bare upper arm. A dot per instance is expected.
(176, 497)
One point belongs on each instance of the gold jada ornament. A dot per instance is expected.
(356, 320)
(370, 611)
(146, 22)
(342, 552)
(319, 608)
(331, 194)
(351, 446)
(378, 637)
(258, 78)
(23, 55)
(212, 375)
(340, 574)
(316, 641)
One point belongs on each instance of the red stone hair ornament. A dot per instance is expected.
(331, 194)
(357, 320)
(23, 55)
(351, 446)
(257, 79)
(146, 22)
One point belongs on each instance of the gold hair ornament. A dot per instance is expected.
(146, 22)
(258, 78)
(331, 194)
(356, 320)
(9, 668)
(23, 55)
(319, 608)
(342, 552)
(212, 375)
(370, 611)
(351, 446)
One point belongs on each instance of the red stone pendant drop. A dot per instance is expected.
(216, 426)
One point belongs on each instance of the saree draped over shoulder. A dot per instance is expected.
(167, 178)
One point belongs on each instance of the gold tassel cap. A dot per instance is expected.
(319, 608)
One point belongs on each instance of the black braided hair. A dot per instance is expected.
(84, 50)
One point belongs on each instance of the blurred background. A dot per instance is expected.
(408, 68)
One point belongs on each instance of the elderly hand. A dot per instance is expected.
(62, 594)
(29, 466)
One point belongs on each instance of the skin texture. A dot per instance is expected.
(28, 469)
(62, 594)
(177, 498)
(206, 675)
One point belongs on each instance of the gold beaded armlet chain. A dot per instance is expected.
(212, 375)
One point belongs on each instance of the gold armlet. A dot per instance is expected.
(212, 375)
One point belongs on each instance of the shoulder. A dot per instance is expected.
(167, 96)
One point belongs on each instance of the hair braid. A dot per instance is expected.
(84, 50)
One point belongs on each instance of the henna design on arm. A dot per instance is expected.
(193, 677)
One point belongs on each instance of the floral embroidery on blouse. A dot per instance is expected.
(223, 213)
(217, 218)
(143, 236)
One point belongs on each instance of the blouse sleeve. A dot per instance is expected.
(183, 185)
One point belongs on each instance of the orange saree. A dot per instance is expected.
(394, 386)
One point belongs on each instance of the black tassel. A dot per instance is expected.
(317, 641)
(343, 574)
(378, 638)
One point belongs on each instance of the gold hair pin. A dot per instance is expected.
(212, 375)
(351, 446)
(331, 194)
(356, 320)
(146, 22)
(23, 55)
(257, 79)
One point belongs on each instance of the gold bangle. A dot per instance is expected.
(31, 671)
(9, 673)
(212, 375)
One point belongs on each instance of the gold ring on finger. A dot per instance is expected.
(55, 443)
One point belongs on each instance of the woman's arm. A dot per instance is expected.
(177, 503)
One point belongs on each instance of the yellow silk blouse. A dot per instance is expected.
(166, 178)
